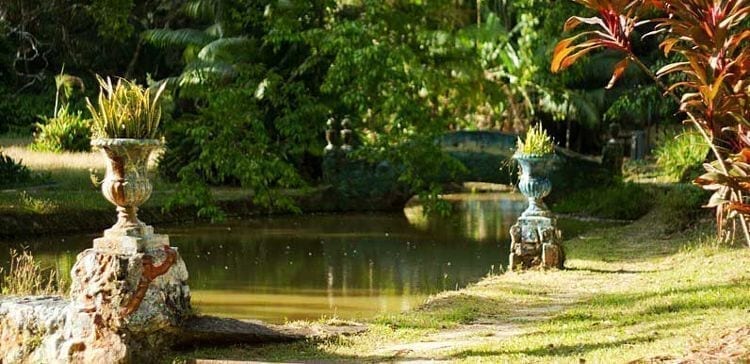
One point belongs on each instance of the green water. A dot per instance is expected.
(348, 266)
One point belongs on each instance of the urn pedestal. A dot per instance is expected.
(535, 239)
(129, 292)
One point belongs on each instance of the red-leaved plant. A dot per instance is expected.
(710, 80)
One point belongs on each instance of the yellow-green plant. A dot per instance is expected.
(125, 110)
(537, 142)
(26, 276)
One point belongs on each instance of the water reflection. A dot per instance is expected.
(481, 217)
(351, 266)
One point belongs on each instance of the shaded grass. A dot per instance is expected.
(622, 201)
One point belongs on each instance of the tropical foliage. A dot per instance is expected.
(250, 83)
(264, 78)
(707, 72)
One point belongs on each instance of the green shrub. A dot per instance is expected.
(66, 132)
(18, 112)
(680, 156)
(12, 172)
(622, 201)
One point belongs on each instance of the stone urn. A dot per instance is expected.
(534, 182)
(535, 239)
(126, 183)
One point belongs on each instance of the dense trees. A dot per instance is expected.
(252, 81)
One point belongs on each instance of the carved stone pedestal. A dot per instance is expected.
(126, 305)
(535, 242)
(133, 289)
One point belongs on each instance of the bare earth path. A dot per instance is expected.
(574, 287)
(483, 332)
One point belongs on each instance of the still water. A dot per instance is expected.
(348, 266)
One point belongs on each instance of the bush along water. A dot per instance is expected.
(620, 201)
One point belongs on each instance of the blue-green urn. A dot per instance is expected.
(534, 181)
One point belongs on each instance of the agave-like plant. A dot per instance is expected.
(710, 79)
(125, 110)
(536, 143)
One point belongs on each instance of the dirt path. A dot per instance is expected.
(571, 287)
(487, 331)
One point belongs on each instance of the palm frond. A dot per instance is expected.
(215, 29)
(164, 38)
(226, 49)
(201, 72)
(202, 9)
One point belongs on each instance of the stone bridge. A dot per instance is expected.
(485, 154)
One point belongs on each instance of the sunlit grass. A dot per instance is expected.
(67, 169)
(65, 181)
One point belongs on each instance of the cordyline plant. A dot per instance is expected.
(709, 80)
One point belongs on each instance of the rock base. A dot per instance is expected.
(129, 303)
(124, 306)
(536, 242)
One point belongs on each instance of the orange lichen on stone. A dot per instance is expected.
(150, 272)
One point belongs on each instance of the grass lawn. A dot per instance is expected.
(629, 293)
(66, 183)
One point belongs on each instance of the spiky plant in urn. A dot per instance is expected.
(535, 239)
(536, 156)
(125, 128)
(129, 292)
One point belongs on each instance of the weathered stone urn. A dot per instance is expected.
(535, 239)
(126, 183)
(129, 295)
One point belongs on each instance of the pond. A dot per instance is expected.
(348, 266)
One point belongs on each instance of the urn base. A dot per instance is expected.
(536, 242)
(123, 308)
(131, 241)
